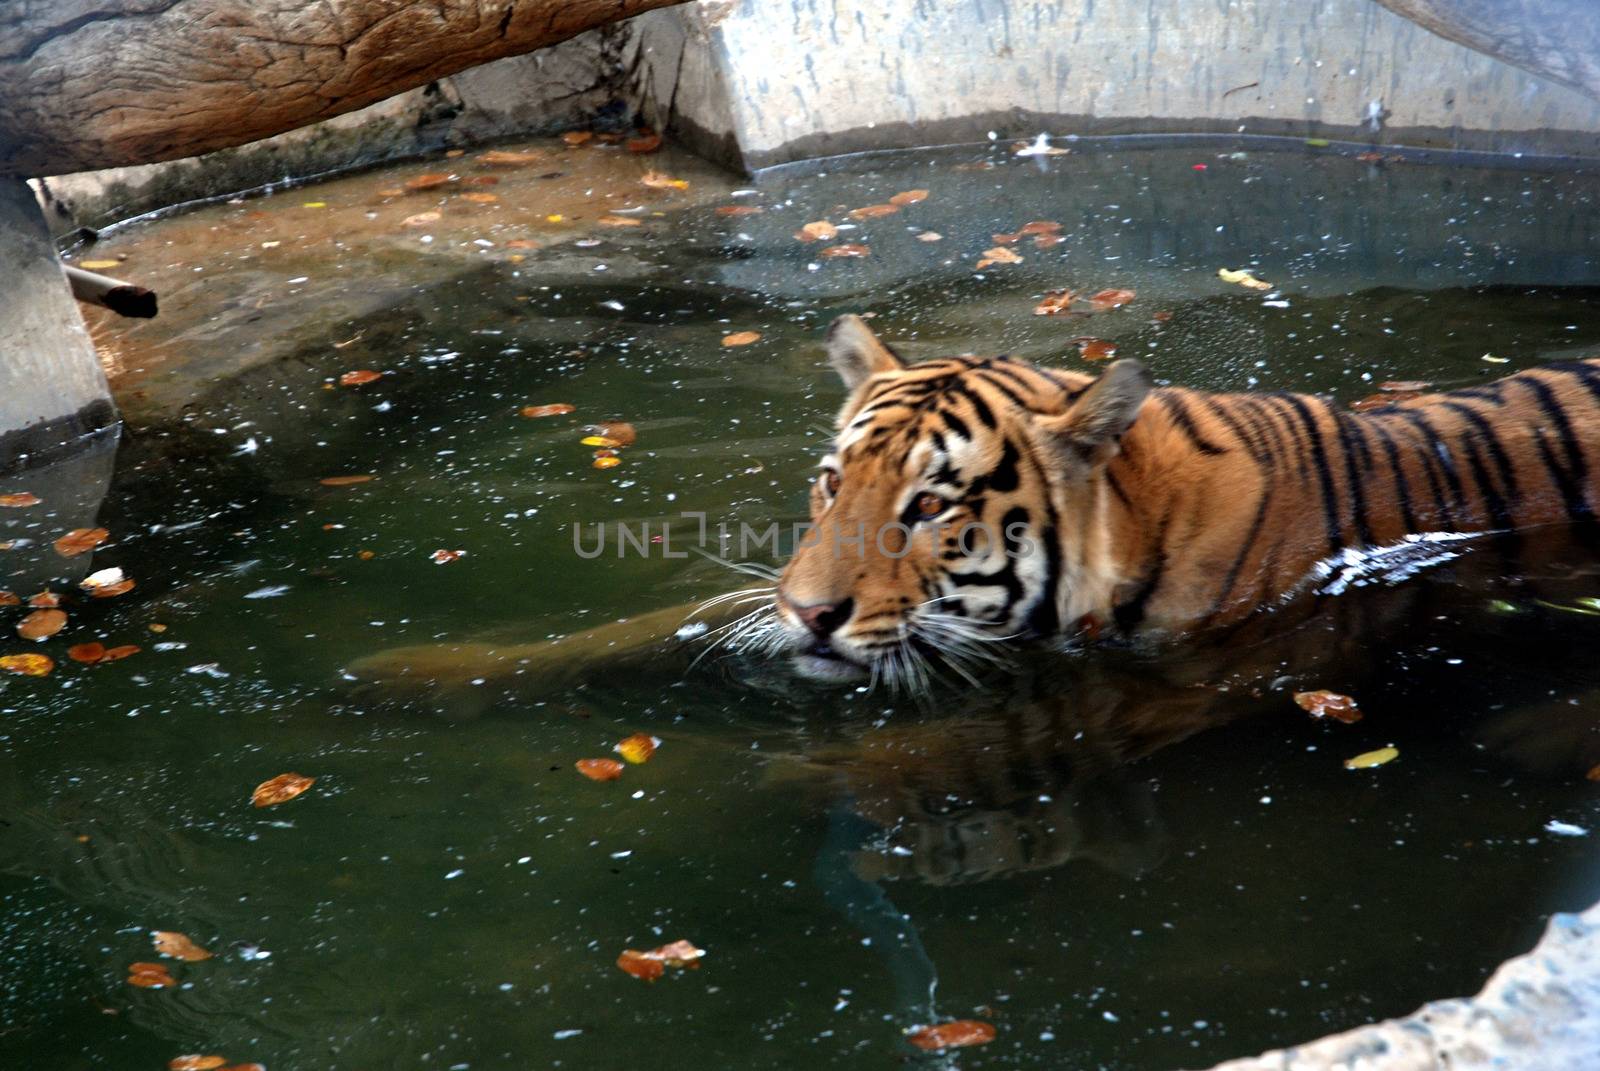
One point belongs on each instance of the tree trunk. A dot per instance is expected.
(87, 84)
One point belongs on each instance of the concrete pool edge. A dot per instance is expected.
(1539, 1010)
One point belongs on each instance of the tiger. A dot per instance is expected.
(970, 500)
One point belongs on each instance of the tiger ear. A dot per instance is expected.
(1091, 430)
(855, 352)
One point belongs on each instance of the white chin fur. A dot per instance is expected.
(830, 670)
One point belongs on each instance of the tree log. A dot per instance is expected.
(87, 84)
(1556, 39)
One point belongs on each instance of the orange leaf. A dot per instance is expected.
(178, 946)
(245, 1067)
(640, 965)
(445, 557)
(1161, 317)
(553, 409)
(87, 652)
(954, 1035)
(29, 665)
(1593, 774)
(42, 624)
(344, 481)
(106, 583)
(649, 141)
(1041, 226)
(607, 461)
(144, 967)
(848, 249)
(577, 137)
(817, 231)
(522, 243)
(45, 600)
(195, 1063)
(1055, 301)
(10, 598)
(80, 541)
(422, 219)
(151, 980)
(1007, 239)
(677, 954)
(483, 180)
(117, 654)
(741, 338)
(739, 210)
(1405, 386)
(19, 499)
(431, 181)
(1110, 299)
(998, 255)
(620, 432)
(358, 377)
(659, 181)
(1324, 704)
(480, 198)
(909, 197)
(1095, 349)
(501, 158)
(280, 789)
(874, 211)
(599, 769)
(619, 221)
(637, 748)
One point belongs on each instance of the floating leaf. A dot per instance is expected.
(607, 462)
(598, 440)
(599, 769)
(1111, 298)
(909, 197)
(522, 243)
(997, 255)
(45, 600)
(314, 204)
(1405, 386)
(656, 180)
(29, 665)
(954, 1035)
(1318, 143)
(1040, 226)
(873, 211)
(648, 141)
(10, 598)
(150, 976)
(99, 265)
(930, 236)
(280, 789)
(1492, 359)
(1095, 349)
(1325, 704)
(817, 231)
(88, 653)
(195, 1063)
(577, 137)
(1055, 302)
(421, 219)
(431, 181)
(445, 557)
(178, 946)
(619, 432)
(847, 249)
(345, 481)
(42, 624)
(480, 198)
(739, 210)
(640, 965)
(80, 541)
(358, 377)
(501, 158)
(19, 499)
(637, 748)
(553, 409)
(1368, 759)
(1243, 278)
(741, 338)
(619, 221)
(107, 583)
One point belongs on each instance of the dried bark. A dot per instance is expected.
(87, 84)
(1557, 39)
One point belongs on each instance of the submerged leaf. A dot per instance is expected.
(502, 158)
(739, 210)
(430, 181)
(954, 1035)
(817, 231)
(195, 1063)
(345, 481)
(909, 197)
(998, 255)
(577, 137)
(280, 789)
(873, 211)
(1243, 278)
(150, 976)
(80, 541)
(88, 653)
(599, 769)
(445, 557)
(1368, 759)
(648, 141)
(741, 338)
(553, 409)
(1111, 298)
(607, 461)
(358, 377)
(19, 499)
(178, 946)
(42, 624)
(656, 180)
(619, 221)
(1325, 704)
(640, 965)
(1055, 302)
(619, 432)
(847, 249)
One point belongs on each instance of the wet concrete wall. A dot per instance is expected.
(773, 82)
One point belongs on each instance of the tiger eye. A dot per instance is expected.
(929, 505)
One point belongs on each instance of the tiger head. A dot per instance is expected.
(962, 503)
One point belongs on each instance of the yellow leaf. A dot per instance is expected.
(656, 180)
(1243, 278)
(637, 748)
(599, 440)
(29, 665)
(178, 946)
(741, 338)
(99, 265)
(315, 204)
(1368, 759)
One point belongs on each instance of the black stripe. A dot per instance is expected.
(1181, 416)
(1011, 396)
(1435, 450)
(1129, 614)
(1402, 487)
(1575, 476)
(1248, 434)
(1358, 493)
(1249, 541)
(979, 408)
(1330, 501)
(1502, 462)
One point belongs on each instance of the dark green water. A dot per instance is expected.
(1121, 862)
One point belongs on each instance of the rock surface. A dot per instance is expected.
(1559, 39)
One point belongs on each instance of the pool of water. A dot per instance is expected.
(1120, 860)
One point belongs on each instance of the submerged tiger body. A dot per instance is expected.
(972, 499)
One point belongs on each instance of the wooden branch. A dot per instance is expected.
(88, 84)
(124, 299)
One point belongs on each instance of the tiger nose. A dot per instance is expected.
(823, 619)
